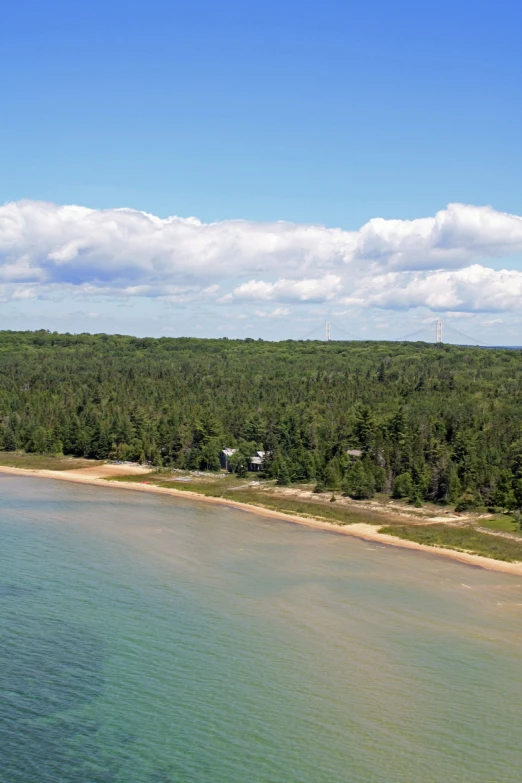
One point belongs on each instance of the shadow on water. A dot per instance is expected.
(48, 670)
(15, 591)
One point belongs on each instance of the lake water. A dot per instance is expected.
(146, 639)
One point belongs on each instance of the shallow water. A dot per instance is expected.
(146, 639)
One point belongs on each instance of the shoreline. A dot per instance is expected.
(361, 530)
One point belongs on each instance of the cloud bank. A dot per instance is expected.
(437, 262)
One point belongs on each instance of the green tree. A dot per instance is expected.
(209, 456)
(283, 474)
(365, 426)
(504, 496)
(449, 417)
(402, 486)
(332, 474)
(208, 427)
(359, 482)
(254, 429)
(380, 478)
(518, 493)
(416, 496)
(238, 463)
(467, 501)
(9, 440)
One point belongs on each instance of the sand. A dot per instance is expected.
(98, 474)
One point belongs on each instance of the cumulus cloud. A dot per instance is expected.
(454, 237)
(318, 290)
(278, 312)
(46, 249)
(473, 288)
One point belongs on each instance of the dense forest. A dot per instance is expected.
(437, 423)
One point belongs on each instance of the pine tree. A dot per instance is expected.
(504, 495)
(518, 493)
(332, 474)
(364, 426)
(283, 475)
(402, 486)
(359, 482)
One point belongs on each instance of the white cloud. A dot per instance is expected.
(318, 290)
(454, 237)
(51, 250)
(16, 292)
(457, 314)
(473, 288)
(278, 312)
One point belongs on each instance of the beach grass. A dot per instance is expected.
(20, 459)
(262, 497)
(504, 523)
(462, 539)
(337, 515)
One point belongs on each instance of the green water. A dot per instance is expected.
(149, 640)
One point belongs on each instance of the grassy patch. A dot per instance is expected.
(463, 539)
(210, 488)
(19, 459)
(136, 478)
(502, 522)
(337, 515)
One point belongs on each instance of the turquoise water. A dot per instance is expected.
(150, 640)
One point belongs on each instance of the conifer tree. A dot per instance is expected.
(283, 475)
(359, 482)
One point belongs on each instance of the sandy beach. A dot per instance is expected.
(98, 475)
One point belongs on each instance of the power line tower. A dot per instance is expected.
(327, 331)
(438, 332)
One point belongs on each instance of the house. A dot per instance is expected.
(354, 453)
(257, 461)
(224, 457)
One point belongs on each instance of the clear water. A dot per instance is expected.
(150, 640)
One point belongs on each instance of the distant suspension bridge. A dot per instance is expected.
(435, 327)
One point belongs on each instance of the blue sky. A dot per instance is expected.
(319, 114)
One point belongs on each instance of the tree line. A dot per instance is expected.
(433, 423)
